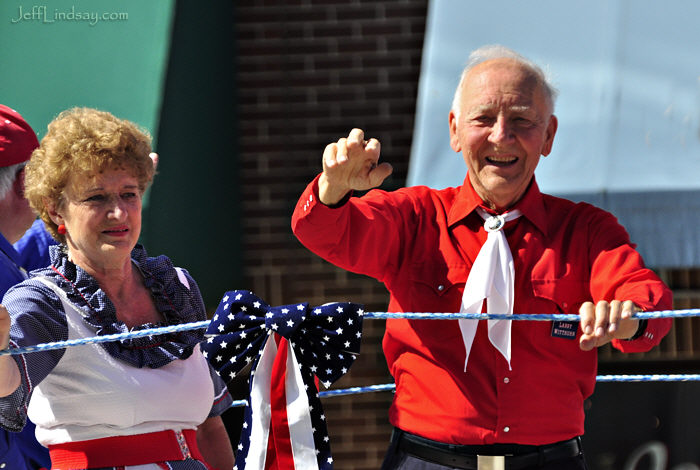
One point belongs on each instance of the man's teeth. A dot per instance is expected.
(501, 159)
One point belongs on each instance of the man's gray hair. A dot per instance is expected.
(8, 175)
(496, 51)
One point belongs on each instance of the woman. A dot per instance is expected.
(147, 403)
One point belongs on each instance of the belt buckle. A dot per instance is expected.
(184, 448)
(490, 462)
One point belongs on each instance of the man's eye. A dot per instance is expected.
(522, 121)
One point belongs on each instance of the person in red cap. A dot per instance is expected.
(86, 180)
(17, 142)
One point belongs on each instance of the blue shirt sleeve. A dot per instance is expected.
(37, 317)
(222, 398)
(33, 247)
(10, 266)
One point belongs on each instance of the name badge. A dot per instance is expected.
(564, 329)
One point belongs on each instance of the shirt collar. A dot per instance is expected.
(531, 205)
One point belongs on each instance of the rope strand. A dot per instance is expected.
(600, 378)
(383, 316)
(371, 315)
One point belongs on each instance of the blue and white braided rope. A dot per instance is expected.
(371, 315)
(383, 316)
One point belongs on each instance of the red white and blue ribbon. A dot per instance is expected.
(288, 346)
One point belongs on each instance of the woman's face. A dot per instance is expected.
(102, 215)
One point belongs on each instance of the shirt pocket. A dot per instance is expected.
(564, 295)
(437, 287)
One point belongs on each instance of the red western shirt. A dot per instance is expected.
(421, 244)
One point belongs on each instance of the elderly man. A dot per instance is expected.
(17, 142)
(496, 394)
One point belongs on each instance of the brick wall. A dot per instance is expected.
(308, 72)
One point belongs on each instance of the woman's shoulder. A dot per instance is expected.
(162, 270)
(39, 283)
(36, 297)
(175, 291)
(159, 267)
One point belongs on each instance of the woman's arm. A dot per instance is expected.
(214, 444)
(9, 372)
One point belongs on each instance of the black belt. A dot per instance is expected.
(466, 457)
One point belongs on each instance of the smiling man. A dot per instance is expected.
(499, 394)
(502, 122)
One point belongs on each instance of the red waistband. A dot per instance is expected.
(118, 451)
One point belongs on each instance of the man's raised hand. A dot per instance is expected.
(350, 164)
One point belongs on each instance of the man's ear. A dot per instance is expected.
(18, 185)
(454, 140)
(549, 136)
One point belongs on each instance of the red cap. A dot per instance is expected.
(17, 138)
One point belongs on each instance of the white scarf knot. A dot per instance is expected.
(491, 278)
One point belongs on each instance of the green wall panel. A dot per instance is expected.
(166, 65)
(100, 53)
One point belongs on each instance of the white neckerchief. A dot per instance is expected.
(491, 278)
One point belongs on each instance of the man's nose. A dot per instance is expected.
(501, 130)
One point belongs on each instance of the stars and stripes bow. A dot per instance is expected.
(284, 426)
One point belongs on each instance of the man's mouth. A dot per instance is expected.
(501, 160)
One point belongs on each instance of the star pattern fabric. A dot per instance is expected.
(287, 347)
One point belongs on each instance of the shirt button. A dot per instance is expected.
(506, 380)
(506, 429)
(441, 288)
